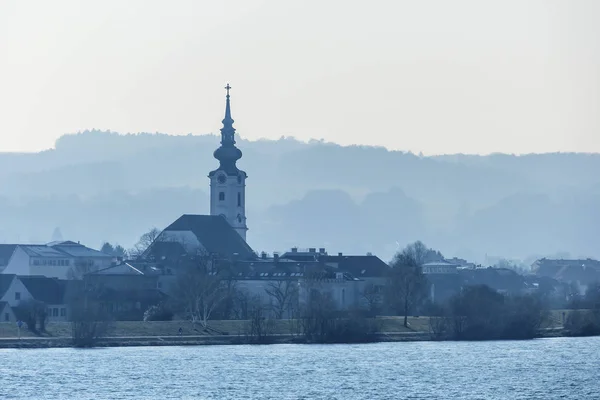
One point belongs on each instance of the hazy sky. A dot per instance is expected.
(432, 76)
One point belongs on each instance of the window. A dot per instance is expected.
(66, 263)
(221, 196)
(17, 295)
(36, 262)
(55, 312)
(239, 199)
(63, 312)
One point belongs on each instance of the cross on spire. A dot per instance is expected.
(227, 88)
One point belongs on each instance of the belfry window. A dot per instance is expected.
(221, 196)
(239, 199)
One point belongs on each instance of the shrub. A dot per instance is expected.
(583, 323)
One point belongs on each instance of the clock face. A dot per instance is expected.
(221, 179)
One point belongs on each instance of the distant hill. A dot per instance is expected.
(98, 186)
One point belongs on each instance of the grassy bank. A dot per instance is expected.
(165, 333)
(229, 327)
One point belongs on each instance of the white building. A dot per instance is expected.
(18, 290)
(228, 183)
(55, 260)
(439, 267)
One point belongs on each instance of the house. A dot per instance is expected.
(56, 260)
(368, 268)
(17, 290)
(125, 290)
(257, 277)
(582, 271)
(51, 292)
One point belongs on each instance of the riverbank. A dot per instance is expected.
(166, 333)
(203, 340)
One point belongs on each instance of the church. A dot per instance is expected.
(223, 232)
(222, 236)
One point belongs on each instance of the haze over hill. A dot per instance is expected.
(101, 186)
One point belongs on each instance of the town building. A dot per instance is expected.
(126, 291)
(580, 271)
(61, 260)
(18, 291)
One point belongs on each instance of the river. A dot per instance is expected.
(559, 368)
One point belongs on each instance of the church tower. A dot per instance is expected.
(228, 183)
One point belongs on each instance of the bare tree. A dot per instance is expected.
(407, 286)
(200, 289)
(230, 285)
(241, 304)
(258, 326)
(144, 242)
(284, 294)
(90, 319)
(34, 313)
(318, 317)
(372, 296)
(421, 254)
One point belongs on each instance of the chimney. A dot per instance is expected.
(275, 256)
(263, 255)
(322, 250)
(294, 249)
(312, 250)
(340, 254)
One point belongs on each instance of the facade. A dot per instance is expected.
(55, 260)
(126, 290)
(439, 267)
(259, 277)
(228, 183)
(51, 292)
(18, 290)
(370, 270)
(582, 271)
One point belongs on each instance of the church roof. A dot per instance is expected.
(215, 234)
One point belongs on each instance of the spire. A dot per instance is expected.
(227, 153)
(228, 131)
